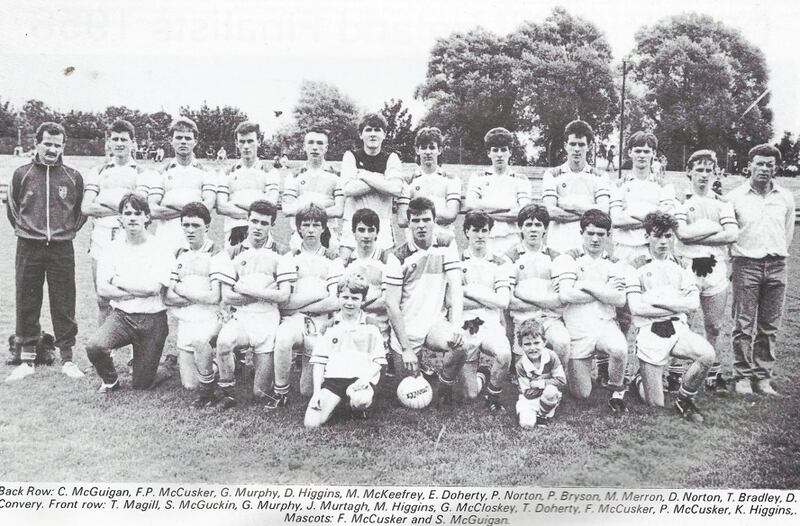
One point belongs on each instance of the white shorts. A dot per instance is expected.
(489, 331)
(258, 327)
(656, 350)
(528, 410)
(714, 283)
(189, 331)
(585, 339)
(629, 254)
(102, 238)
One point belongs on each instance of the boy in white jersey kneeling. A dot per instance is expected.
(254, 280)
(347, 360)
(592, 286)
(660, 294)
(540, 377)
(485, 279)
(195, 299)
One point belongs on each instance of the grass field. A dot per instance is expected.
(53, 428)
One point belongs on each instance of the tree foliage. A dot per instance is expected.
(399, 133)
(8, 119)
(534, 80)
(216, 126)
(699, 77)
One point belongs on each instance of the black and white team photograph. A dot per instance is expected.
(453, 244)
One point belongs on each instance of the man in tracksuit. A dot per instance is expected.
(44, 207)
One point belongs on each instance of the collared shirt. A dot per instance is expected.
(587, 268)
(766, 222)
(548, 370)
(657, 274)
(697, 208)
(509, 190)
(111, 182)
(437, 187)
(379, 268)
(424, 284)
(243, 185)
(317, 269)
(637, 197)
(350, 349)
(532, 270)
(589, 186)
(491, 272)
(319, 186)
(194, 266)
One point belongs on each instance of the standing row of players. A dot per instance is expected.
(560, 292)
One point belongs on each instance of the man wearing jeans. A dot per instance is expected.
(765, 213)
(44, 207)
(132, 275)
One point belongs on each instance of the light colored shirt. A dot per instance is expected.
(351, 349)
(533, 270)
(657, 274)
(197, 264)
(245, 185)
(510, 190)
(110, 182)
(549, 370)
(638, 197)
(587, 268)
(766, 222)
(493, 273)
(147, 263)
(696, 208)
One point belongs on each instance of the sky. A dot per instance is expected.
(254, 54)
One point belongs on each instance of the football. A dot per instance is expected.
(360, 399)
(415, 392)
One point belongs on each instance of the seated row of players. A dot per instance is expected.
(284, 302)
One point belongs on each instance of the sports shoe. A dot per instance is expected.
(717, 385)
(13, 351)
(206, 396)
(71, 370)
(275, 400)
(484, 374)
(108, 388)
(543, 421)
(390, 372)
(764, 387)
(638, 387)
(20, 372)
(617, 406)
(672, 383)
(427, 371)
(688, 410)
(743, 386)
(494, 406)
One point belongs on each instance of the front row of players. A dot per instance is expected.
(338, 314)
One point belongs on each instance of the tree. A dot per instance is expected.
(8, 120)
(700, 76)
(468, 90)
(562, 72)
(216, 126)
(34, 112)
(789, 148)
(83, 125)
(399, 133)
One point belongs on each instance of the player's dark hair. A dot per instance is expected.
(122, 126)
(596, 218)
(418, 206)
(355, 283)
(184, 124)
(533, 211)
(640, 139)
(138, 203)
(373, 120)
(659, 223)
(530, 328)
(53, 128)
(477, 219)
(311, 212)
(429, 135)
(764, 150)
(247, 127)
(196, 209)
(701, 156)
(497, 138)
(368, 217)
(579, 129)
(265, 208)
(318, 129)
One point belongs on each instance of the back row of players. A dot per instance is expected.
(543, 274)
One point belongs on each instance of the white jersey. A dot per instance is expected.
(697, 208)
(510, 190)
(493, 273)
(639, 197)
(654, 274)
(243, 185)
(111, 182)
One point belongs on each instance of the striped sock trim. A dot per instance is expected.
(225, 385)
(444, 380)
(493, 390)
(282, 389)
(685, 393)
(714, 370)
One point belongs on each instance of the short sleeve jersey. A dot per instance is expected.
(308, 186)
(697, 208)
(322, 265)
(238, 261)
(437, 187)
(243, 181)
(491, 272)
(111, 178)
(176, 177)
(424, 283)
(639, 196)
(587, 268)
(146, 263)
(500, 191)
(549, 370)
(195, 263)
(587, 186)
(536, 270)
(350, 350)
(380, 268)
(654, 274)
